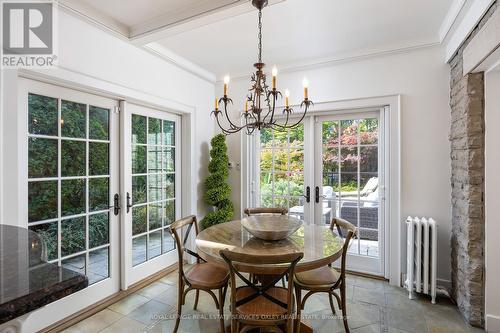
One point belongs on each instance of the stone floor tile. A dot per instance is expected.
(154, 289)
(96, 323)
(125, 325)
(371, 296)
(128, 304)
(408, 321)
(151, 312)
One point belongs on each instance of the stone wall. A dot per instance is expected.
(467, 181)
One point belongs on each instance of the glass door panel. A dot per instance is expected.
(282, 170)
(72, 173)
(154, 177)
(348, 164)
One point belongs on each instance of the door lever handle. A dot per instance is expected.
(116, 204)
(129, 205)
(308, 194)
(317, 194)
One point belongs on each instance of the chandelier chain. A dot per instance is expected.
(260, 35)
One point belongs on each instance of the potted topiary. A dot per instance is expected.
(217, 189)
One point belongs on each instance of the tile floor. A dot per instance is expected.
(373, 306)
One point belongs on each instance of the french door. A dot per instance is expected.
(330, 166)
(71, 171)
(152, 178)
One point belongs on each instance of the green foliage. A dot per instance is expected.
(217, 189)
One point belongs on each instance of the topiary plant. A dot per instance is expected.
(217, 189)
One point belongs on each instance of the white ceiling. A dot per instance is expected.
(221, 35)
(302, 31)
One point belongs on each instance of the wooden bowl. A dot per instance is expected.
(271, 227)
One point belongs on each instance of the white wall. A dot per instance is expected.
(422, 79)
(492, 193)
(85, 49)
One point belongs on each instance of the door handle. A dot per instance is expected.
(308, 194)
(116, 204)
(317, 194)
(129, 205)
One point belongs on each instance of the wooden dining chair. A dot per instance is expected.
(327, 279)
(202, 276)
(265, 211)
(265, 305)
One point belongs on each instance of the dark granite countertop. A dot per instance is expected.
(27, 282)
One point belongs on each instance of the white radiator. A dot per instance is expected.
(421, 260)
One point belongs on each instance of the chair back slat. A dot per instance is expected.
(265, 211)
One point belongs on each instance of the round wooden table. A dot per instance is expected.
(318, 243)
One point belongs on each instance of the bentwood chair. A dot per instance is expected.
(263, 306)
(202, 276)
(327, 279)
(265, 211)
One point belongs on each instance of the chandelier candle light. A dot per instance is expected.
(260, 104)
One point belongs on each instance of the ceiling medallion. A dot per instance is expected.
(260, 103)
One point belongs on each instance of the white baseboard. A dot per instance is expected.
(492, 324)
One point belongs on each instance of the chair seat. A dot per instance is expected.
(207, 275)
(261, 306)
(324, 276)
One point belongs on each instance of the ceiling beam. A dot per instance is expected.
(165, 26)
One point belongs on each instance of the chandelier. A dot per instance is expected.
(260, 103)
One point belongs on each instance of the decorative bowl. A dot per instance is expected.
(271, 227)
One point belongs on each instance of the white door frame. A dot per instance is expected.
(391, 117)
(39, 319)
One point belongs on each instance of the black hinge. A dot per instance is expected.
(116, 203)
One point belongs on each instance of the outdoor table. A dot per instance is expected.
(318, 243)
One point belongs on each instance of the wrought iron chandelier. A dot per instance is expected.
(260, 104)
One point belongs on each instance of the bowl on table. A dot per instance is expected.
(271, 227)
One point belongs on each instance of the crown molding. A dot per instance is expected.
(451, 17)
(330, 61)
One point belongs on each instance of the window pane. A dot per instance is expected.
(42, 157)
(73, 236)
(168, 133)
(154, 188)
(369, 158)
(42, 115)
(368, 131)
(349, 132)
(42, 201)
(296, 183)
(266, 138)
(296, 136)
(266, 160)
(138, 250)
(349, 186)
(169, 212)
(154, 131)
(98, 265)
(98, 229)
(72, 197)
(169, 186)
(266, 201)
(169, 160)
(138, 159)
(296, 160)
(73, 120)
(349, 159)
(138, 129)
(280, 139)
(139, 189)
(98, 194)
(76, 264)
(154, 246)
(98, 158)
(330, 132)
(98, 123)
(73, 157)
(168, 241)
(281, 160)
(139, 220)
(155, 215)
(48, 234)
(349, 211)
(154, 159)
